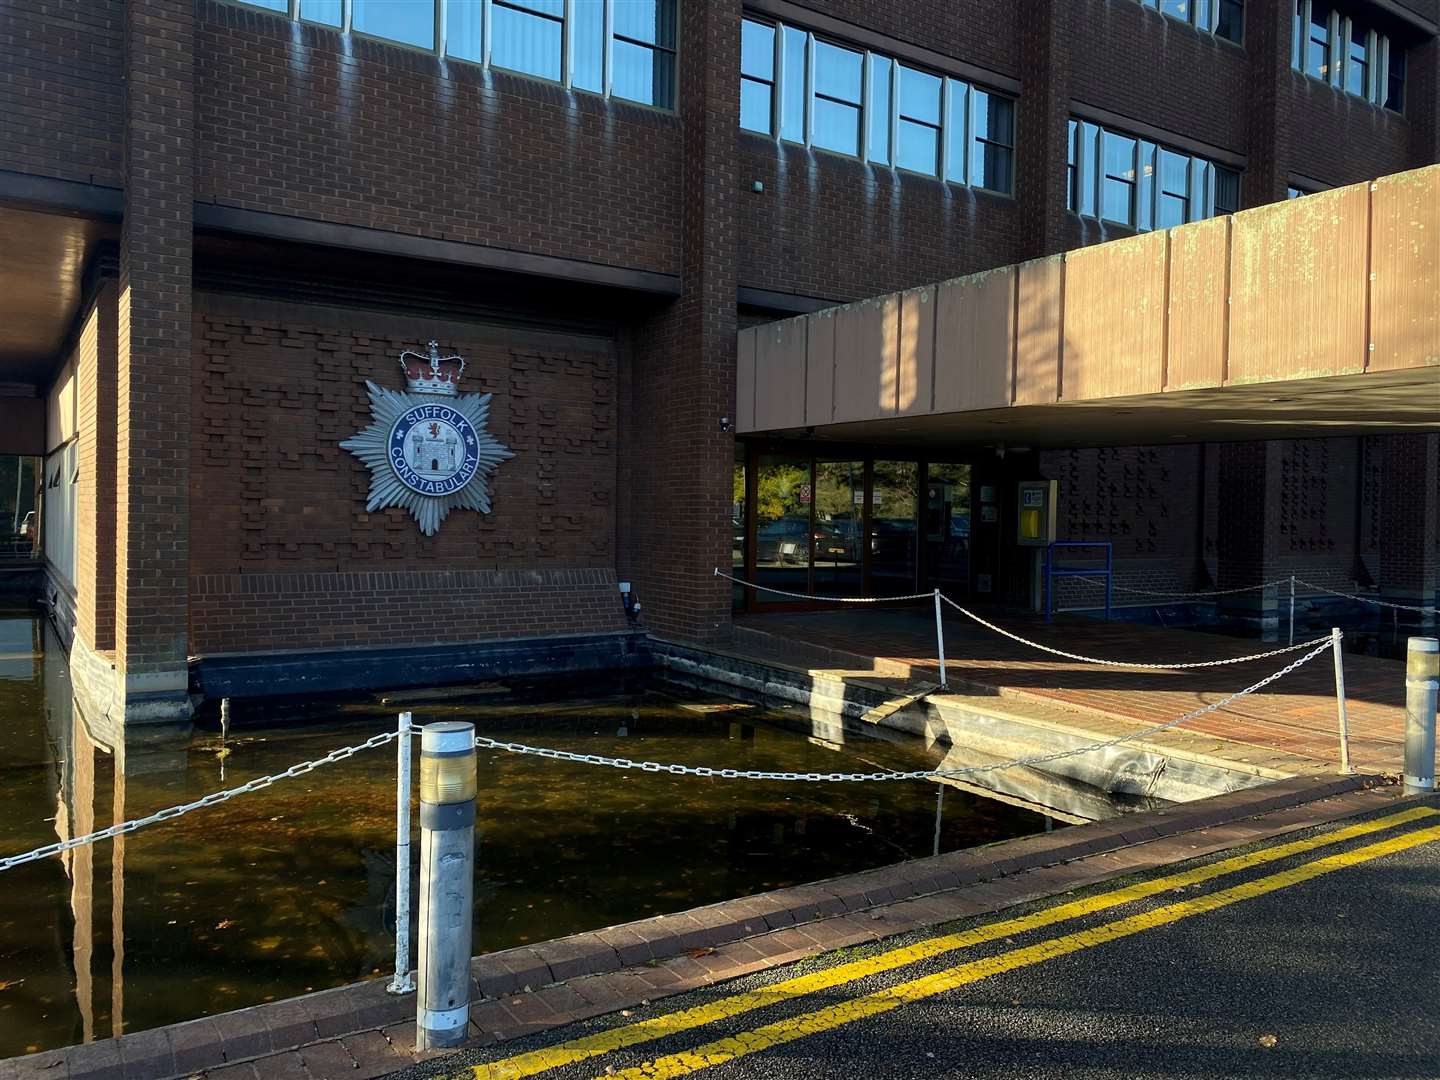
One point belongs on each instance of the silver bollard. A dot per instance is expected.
(940, 641)
(447, 859)
(1422, 682)
(1341, 714)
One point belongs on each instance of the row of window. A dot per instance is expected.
(1348, 54)
(619, 48)
(826, 95)
(1223, 18)
(1130, 181)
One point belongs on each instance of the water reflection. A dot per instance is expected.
(291, 888)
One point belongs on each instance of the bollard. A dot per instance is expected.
(1341, 713)
(1422, 681)
(447, 857)
(940, 640)
(1292, 609)
(403, 982)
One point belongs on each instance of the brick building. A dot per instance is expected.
(220, 218)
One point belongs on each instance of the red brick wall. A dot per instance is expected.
(61, 89)
(278, 386)
(294, 122)
(95, 355)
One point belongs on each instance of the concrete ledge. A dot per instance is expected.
(560, 981)
(244, 675)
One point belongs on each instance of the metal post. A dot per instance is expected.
(1422, 686)
(939, 815)
(403, 982)
(447, 857)
(1340, 700)
(940, 640)
(1292, 609)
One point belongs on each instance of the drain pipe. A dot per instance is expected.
(447, 860)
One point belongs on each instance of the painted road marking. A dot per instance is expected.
(620, 1038)
(883, 1001)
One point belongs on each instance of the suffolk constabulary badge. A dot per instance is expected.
(427, 449)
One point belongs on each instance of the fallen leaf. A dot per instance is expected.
(695, 954)
(1267, 1041)
(10, 983)
(224, 924)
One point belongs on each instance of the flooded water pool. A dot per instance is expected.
(291, 889)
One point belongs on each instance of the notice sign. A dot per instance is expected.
(1032, 497)
(805, 494)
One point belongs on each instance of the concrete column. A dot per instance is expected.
(1246, 529)
(682, 381)
(1410, 525)
(153, 362)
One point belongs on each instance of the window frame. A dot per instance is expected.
(773, 130)
(1340, 29)
(1210, 24)
(566, 21)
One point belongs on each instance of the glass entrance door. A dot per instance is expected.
(783, 496)
(838, 536)
(947, 528)
(894, 513)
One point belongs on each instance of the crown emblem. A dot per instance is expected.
(432, 373)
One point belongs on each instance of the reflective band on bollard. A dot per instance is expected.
(1422, 686)
(447, 857)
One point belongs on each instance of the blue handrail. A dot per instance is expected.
(1052, 571)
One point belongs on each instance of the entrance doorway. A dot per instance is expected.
(847, 524)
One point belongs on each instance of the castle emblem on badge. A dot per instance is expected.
(427, 449)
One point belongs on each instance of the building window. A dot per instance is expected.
(616, 48)
(1223, 18)
(757, 77)
(836, 99)
(1348, 53)
(1125, 180)
(827, 95)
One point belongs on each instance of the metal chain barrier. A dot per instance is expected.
(833, 599)
(1368, 599)
(213, 799)
(1026, 641)
(874, 777)
(1125, 663)
(1182, 595)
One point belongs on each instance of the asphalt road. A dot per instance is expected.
(1288, 968)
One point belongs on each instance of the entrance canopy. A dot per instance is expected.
(1318, 316)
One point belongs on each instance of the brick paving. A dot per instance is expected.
(1295, 716)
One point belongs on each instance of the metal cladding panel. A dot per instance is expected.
(745, 379)
(780, 375)
(1199, 256)
(1039, 300)
(1115, 319)
(820, 368)
(916, 373)
(1298, 288)
(867, 337)
(1405, 262)
(975, 341)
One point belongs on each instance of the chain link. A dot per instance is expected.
(875, 777)
(831, 599)
(1368, 599)
(1125, 663)
(1182, 595)
(212, 799)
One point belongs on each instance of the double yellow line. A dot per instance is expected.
(797, 1027)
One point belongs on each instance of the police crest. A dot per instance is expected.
(427, 449)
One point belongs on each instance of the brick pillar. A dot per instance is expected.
(153, 361)
(1423, 107)
(95, 493)
(1247, 529)
(682, 381)
(1042, 127)
(1268, 31)
(1410, 524)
